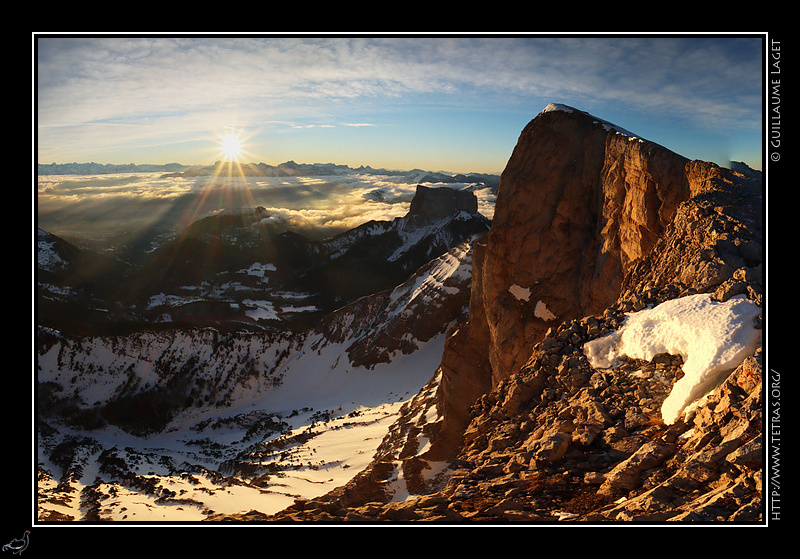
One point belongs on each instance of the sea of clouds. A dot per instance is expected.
(113, 209)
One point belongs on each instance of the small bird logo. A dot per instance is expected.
(18, 545)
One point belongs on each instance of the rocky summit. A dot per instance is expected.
(596, 232)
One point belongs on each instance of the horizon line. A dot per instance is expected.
(252, 164)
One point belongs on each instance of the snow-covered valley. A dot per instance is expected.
(330, 418)
(181, 425)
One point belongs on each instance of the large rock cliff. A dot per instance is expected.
(591, 223)
(580, 202)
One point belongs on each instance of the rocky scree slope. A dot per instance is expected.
(591, 223)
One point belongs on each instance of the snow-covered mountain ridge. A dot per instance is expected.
(154, 423)
(286, 169)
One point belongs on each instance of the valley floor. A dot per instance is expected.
(211, 464)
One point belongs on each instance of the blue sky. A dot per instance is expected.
(434, 102)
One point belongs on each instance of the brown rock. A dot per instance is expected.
(549, 448)
(577, 205)
(626, 475)
(591, 224)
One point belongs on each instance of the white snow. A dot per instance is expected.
(609, 126)
(259, 269)
(339, 412)
(524, 294)
(552, 107)
(541, 311)
(521, 293)
(713, 338)
(411, 232)
(363, 403)
(47, 258)
(260, 309)
(451, 266)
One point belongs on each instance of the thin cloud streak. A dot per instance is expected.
(173, 85)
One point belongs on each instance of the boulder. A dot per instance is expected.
(627, 475)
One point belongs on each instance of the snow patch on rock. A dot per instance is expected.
(521, 293)
(712, 338)
(541, 311)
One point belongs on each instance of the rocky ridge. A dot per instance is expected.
(591, 223)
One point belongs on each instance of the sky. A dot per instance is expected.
(435, 102)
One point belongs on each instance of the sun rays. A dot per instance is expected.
(232, 152)
(231, 147)
(227, 186)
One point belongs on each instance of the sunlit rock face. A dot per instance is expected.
(600, 241)
(580, 201)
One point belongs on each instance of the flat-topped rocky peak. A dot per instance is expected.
(442, 202)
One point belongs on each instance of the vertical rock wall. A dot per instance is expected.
(579, 203)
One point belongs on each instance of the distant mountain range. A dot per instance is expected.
(105, 168)
(286, 169)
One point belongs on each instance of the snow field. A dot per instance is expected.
(713, 338)
(360, 405)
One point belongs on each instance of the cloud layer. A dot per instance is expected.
(113, 209)
(174, 93)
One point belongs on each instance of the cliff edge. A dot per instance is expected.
(594, 230)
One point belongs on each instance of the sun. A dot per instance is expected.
(231, 147)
